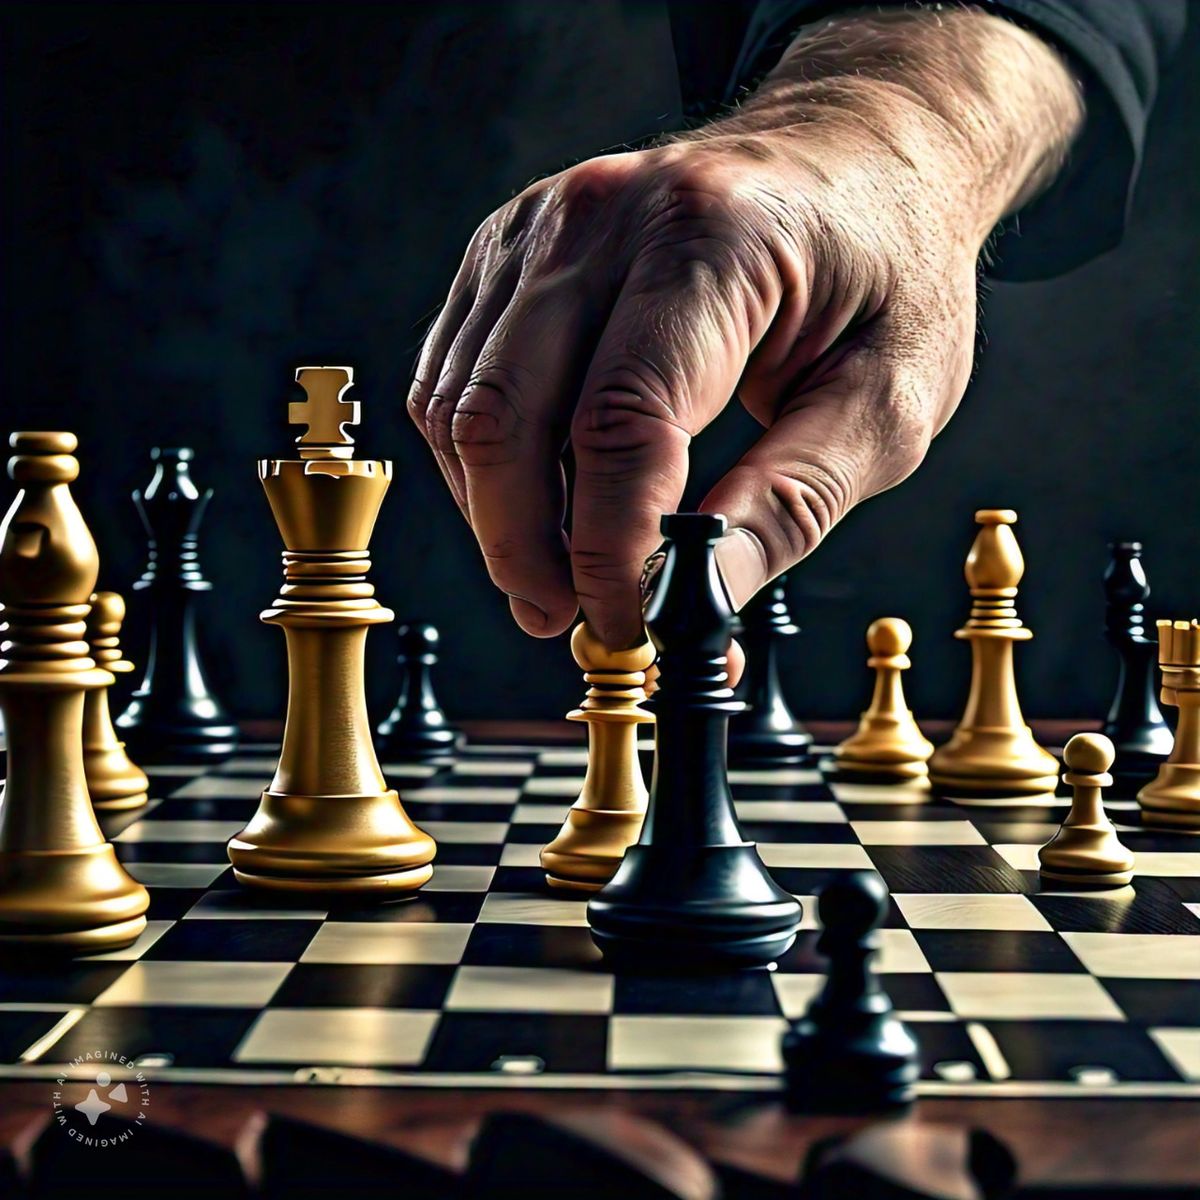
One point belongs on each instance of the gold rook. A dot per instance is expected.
(1172, 798)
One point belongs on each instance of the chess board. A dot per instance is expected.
(488, 979)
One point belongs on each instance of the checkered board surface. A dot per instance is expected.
(488, 979)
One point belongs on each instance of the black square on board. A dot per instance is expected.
(477, 1042)
(346, 985)
(958, 869)
(561, 946)
(996, 950)
(234, 941)
(188, 1037)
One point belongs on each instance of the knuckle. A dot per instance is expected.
(695, 183)
(591, 186)
(807, 501)
(602, 568)
(486, 425)
(438, 415)
(625, 418)
(903, 431)
(419, 400)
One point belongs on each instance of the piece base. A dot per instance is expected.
(175, 738)
(120, 804)
(419, 746)
(1169, 818)
(78, 901)
(693, 909)
(655, 956)
(100, 940)
(332, 843)
(991, 763)
(589, 848)
(1061, 881)
(978, 787)
(914, 775)
(572, 885)
(752, 748)
(389, 884)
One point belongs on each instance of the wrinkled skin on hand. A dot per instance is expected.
(816, 260)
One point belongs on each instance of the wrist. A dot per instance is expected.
(970, 102)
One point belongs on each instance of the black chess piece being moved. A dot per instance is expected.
(693, 894)
(767, 732)
(174, 716)
(417, 730)
(1135, 723)
(850, 1052)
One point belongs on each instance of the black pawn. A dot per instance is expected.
(767, 733)
(850, 1052)
(416, 730)
(1135, 723)
(173, 716)
(693, 893)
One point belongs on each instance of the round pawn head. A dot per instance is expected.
(853, 906)
(889, 637)
(1089, 754)
(104, 631)
(592, 655)
(107, 615)
(418, 638)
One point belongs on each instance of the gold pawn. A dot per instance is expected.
(1172, 797)
(1086, 852)
(888, 745)
(115, 782)
(607, 818)
(61, 886)
(992, 752)
(328, 821)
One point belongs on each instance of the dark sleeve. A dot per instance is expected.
(1118, 47)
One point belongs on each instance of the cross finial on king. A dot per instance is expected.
(325, 412)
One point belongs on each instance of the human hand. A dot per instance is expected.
(814, 253)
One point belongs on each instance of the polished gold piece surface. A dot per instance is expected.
(887, 745)
(61, 886)
(328, 822)
(1086, 852)
(607, 818)
(1172, 797)
(114, 781)
(992, 751)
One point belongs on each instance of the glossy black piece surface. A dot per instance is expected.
(693, 894)
(850, 1052)
(173, 715)
(1135, 723)
(417, 730)
(767, 732)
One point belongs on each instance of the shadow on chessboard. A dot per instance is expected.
(576, 1154)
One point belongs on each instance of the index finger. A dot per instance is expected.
(668, 361)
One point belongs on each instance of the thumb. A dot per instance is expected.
(826, 451)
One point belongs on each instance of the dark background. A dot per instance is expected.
(196, 199)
